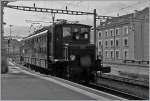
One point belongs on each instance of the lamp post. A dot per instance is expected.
(9, 40)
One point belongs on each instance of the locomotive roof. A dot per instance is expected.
(33, 35)
(72, 24)
(45, 29)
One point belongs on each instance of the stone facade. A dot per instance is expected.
(125, 37)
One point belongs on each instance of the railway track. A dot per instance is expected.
(114, 91)
(110, 90)
(142, 83)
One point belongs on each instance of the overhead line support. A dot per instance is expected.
(59, 11)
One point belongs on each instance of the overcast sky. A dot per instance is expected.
(109, 8)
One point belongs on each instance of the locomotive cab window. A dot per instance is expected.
(76, 34)
(66, 31)
(84, 33)
(80, 34)
(66, 34)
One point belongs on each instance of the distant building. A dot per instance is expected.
(125, 37)
(12, 47)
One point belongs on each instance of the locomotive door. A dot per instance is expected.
(58, 43)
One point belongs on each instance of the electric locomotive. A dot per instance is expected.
(63, 50)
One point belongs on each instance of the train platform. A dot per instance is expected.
(22, 84)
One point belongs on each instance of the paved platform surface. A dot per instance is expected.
(20, 84)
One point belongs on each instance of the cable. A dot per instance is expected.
(133, 5)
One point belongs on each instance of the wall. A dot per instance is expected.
(146, 38)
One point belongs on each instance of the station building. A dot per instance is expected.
(124, 37)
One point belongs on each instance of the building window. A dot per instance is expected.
(111, 54)
(112, 32)
(125, 42)
(117, 31)
(100, 53)
(125, 54)
(117, 54)
(126, 30)
(100, 44)
(117, 42)
(99, 34)
(106, 33)
(106, 54)
(106, 43)
(111, 43)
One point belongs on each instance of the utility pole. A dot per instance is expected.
(52, 41)
(2, 28)
(9, 40)
(4, 66)
(95, 39)
(10, 30)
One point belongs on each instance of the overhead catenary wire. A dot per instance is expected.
(133, 7)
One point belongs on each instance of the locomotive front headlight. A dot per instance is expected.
(72, 57)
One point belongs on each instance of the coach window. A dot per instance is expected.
(36, 39)
(45, 39)
(40, 38)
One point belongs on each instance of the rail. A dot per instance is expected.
(115, 91)
(143, 83)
